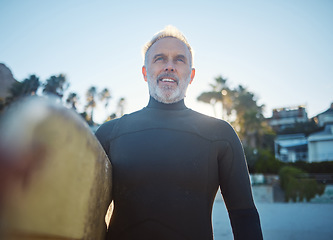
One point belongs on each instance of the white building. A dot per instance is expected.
(316, 147)
(291, 147)
(325, 117)
(320, 145)
(287, 117)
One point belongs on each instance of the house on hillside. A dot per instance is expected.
(325, 117)
(315, 147)
(320, 145)
(291, 147)
(287, 117)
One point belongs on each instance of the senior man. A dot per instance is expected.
(169, 161)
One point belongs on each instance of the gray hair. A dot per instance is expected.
(168, 31)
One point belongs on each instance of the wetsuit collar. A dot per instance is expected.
(173, 106)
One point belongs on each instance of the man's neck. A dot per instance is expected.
(153, 103)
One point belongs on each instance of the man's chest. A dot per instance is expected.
(163, 156)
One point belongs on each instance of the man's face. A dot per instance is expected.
(168, 70)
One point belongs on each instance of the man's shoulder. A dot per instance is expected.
(103, 132)
(205, 119)
(109, 125)
(109, 128)
(211, 127)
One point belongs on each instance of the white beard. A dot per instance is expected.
(165, 94)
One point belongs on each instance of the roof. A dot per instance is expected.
(326, 134)
(293, 143)
(291, 140)
(291, 136)
(328, 111)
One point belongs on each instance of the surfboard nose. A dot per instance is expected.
(69, 184)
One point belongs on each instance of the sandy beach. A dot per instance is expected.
(283, 221)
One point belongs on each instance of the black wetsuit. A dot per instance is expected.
(168, 163)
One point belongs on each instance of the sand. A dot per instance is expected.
(283, 221)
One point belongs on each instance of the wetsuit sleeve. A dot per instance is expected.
(236, 188)
(104, 135)
(245, 224)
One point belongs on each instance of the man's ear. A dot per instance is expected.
(144, 73)
(192, 74)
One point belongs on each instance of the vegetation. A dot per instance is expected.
(72, 100)
(297, 185)
(314, 167)
(56, 86)
(27, 87)
(91, 103)
(240, 108)
(267, 163)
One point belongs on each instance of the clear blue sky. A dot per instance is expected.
(281, 50)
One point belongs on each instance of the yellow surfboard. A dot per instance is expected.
(69, 192)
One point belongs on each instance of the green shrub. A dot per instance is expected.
(314, 167)
(267, 163)
(297, 186)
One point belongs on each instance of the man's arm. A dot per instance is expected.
(245, 224)
(236, 189)
(104, 135)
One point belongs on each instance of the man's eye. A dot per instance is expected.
(180, 60)
(158, 59)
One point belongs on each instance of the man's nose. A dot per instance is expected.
(169, 67)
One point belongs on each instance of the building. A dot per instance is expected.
(287, 117)
(291, 147)
(321, 145)
(325, 117)
(315, 147)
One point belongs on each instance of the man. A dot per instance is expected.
(169, 161)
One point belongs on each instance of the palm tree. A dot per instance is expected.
(31, 85)
(121, 106)
(91, 103)
(72, 100)
(211, 98)
(56, 85)
(27, 87)
(220, 93)
(249, 121)
(105, 95)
